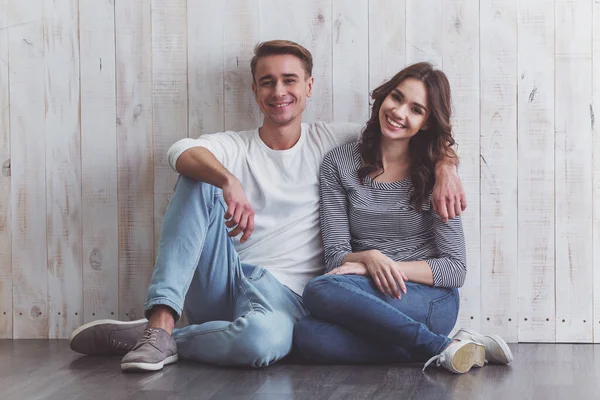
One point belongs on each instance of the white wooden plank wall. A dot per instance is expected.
(6, 295)
(99, 160)
(92, 94)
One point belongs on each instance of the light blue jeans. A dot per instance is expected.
(239, 314)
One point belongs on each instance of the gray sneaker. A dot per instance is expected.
(107, 337)
(496, 349)
(155, 349)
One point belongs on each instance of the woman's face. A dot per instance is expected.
(405, 110)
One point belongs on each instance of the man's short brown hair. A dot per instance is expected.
(279, 47)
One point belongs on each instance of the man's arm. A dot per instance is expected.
(449, 198)
(200, 164)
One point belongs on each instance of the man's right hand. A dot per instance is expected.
(240, 214)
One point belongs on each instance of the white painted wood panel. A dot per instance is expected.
(169, 96)
(63, 167)
(6, 303)
(205, 67)
(135, 155)
(99, 160)
(240, 35)
(311, 21)
(573, 166)
(594, 115)
(461, 65)
(536, 171)
(424, 31)
(387, 40)
(28, 189)
(499, 242)
(350, 61)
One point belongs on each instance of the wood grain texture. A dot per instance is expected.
(6, 291)
(387, 40)
(28, 153)
(63, 167)
(573, 166)
(205, 67)
(595, 119)
(240, 35)
(424, 31)
(99, 160)
(499, 243)
(169, 96)
(135, 155)
(461, 65)
(350, 61)
(535, 54)
(312, 24)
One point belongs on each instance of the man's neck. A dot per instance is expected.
(280, 137)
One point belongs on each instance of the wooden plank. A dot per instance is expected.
(63, 167)
(307, 23)
(498, 85)
(387, 40)
(350, 61)
(595, 113)
(535, 99)
(424, 30)
(574, 274)
(99, 160)
(205, 67)
(170, 112)
(6, 301)
(461, 65)
(28, 189)
(240, 35)
(135, 171)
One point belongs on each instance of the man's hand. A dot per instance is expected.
(239, 211)
(449, 198)
(385, 273)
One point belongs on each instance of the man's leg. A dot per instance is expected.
(260, 329)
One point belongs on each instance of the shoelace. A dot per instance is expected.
(436, 358)
(117, 345)
(149, 336)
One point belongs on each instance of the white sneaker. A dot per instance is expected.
(496, 349)
(459, 357)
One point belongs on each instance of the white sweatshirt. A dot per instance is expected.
(283, 188)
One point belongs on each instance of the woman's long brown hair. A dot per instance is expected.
(428, 146)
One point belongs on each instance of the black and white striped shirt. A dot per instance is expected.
(358, 217)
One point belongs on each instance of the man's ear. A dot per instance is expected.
(309, 82)
(254, 89)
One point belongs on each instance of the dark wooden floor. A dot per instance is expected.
(42, 369)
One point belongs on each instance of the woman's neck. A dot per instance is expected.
(396, 161)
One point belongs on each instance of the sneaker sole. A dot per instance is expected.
(467, 356)
(103, 321)
(140, 366)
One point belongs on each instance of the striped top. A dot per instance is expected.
(358, 217)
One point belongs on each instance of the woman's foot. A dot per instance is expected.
(459, 356)
(496, 349)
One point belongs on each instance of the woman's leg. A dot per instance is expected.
(418, 323)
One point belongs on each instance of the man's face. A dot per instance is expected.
(281, 88)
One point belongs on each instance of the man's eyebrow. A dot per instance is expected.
(262, 78)
(414, 102)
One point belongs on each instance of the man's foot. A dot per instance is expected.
(155, 349)
(496, 349)
(107, 337)
(459, 357)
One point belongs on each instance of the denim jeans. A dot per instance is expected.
(352, 322)
(239, 314)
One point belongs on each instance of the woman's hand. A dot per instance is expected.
(350, 268)
(386, 273)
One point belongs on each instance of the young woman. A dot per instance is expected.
(393, 267)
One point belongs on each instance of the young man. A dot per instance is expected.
(240, 238)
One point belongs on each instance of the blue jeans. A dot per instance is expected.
(352, 322)
(239, 314)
